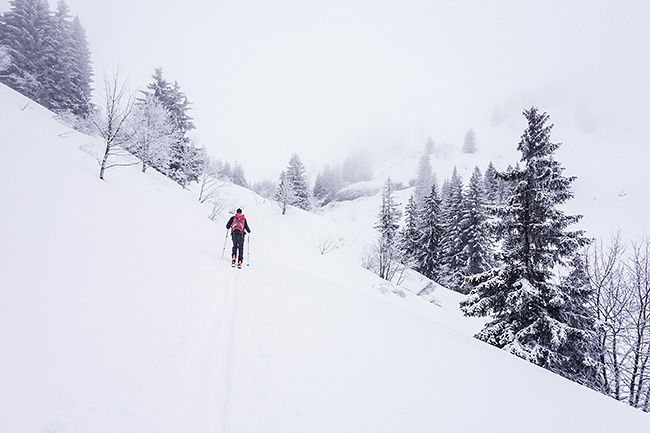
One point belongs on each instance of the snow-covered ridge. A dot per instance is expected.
(118, 313)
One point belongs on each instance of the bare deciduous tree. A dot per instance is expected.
(111, 119)
(621, 284)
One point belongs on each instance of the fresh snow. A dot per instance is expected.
(119, 314)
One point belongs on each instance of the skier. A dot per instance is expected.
(239, 227)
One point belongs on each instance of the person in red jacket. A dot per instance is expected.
(239, 227)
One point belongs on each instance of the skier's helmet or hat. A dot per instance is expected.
(239, 210)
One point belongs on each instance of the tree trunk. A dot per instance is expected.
(104, 161)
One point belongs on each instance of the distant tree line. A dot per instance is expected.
(45, 56)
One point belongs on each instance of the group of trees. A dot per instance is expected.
(355, 168)
(446, 233)
(618, 277)
(45, 56)
(293, 186)
(153, 127)
(502, 239)
(534, 314)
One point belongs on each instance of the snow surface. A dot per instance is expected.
(119, 314)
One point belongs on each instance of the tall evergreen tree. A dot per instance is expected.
(424, 179)
(410, 234)
(528, 309)
(453, 242)
(469, 145)
(238, 177)
(81, 72)
(388, 225)
(41, 55)
(327, 184)
(297, 178)
(28, 38)
(491, 186)
(477, 249)
(429, 254)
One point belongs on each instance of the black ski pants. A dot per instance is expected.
(238, 245)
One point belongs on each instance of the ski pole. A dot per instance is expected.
(224, 244)
(248, 253)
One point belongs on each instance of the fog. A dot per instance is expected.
(270, 78)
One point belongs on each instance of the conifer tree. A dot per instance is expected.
(477, 249)
(42, 56)
(530, 315)
(298, 180)
(430, 146)
(453, 242)
(428, 257)
(327, 184)
(28, 37)
(388, 225)
(424, 179)
(80, 72)
(491, 187)
(469, 145)
(238, 177)
(410, 235)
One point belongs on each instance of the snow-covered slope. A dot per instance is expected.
(118, 314)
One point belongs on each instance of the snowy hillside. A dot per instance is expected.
(118, 314)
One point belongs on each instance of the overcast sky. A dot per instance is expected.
(271, 77)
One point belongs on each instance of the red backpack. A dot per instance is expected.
(238, 222)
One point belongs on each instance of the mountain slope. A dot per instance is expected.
(117, 314)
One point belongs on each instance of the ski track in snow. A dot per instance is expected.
(202, 398)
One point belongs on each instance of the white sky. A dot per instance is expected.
(268, 78)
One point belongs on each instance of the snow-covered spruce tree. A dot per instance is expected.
(428, 254)
(238, 176)
(475, 230)
(387, 252)
(425, 178)
(297, 178)
(429, 146)
(469, 145)
(80, 72)
(224, 172)
(529, 310)
(453, 242)
(46, 58)
(327, 184)
(28, 33)
(491, 185)
(409, 236)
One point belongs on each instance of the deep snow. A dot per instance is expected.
(118, 314)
